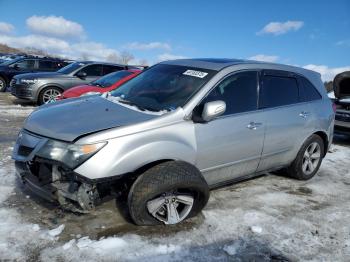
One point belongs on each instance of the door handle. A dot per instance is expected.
(304, 114)
(253, 125)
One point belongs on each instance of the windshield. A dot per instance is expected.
(163, 87)
(9, 62)
(70, 68)
(111, 78)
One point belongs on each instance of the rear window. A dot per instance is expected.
(278, 91)
(307, 91)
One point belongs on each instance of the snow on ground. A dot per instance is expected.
(265, 219)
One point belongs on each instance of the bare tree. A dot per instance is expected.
(143, 62)
(125, 57)
(113, 57)
(84, 56)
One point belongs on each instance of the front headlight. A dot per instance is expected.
(69, 154)
(29, 81)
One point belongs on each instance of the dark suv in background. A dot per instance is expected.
(43, 88)
(23, 65)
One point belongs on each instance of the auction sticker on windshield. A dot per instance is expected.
(195, 73)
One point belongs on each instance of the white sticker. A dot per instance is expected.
(195, 73)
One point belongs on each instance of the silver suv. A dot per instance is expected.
(179, 129)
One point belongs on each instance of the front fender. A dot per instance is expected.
(127, 154)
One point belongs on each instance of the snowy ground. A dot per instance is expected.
(270, 218)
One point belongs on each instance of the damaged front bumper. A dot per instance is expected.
(53, 180)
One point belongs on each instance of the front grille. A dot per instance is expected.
(342, 117)
(24, 150)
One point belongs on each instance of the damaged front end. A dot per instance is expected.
(46, 167)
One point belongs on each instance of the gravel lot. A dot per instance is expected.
(271, 218)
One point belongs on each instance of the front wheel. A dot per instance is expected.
(308, 160)
(49, 95)
(167, 194)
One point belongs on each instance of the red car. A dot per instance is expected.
(104, 84)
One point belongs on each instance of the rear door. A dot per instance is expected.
(288, 118)
(230, 146)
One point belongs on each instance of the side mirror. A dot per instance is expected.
(213, 109)
(16, 66)
(81, 74)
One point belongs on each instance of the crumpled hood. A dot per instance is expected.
(69, 119)
(40, 75)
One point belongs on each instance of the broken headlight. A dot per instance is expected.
(71, 155)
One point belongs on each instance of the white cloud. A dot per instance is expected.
(345, 42)
(279, 28)
(167, 56)
(264, 58)
(148, 46)
(327, 73)
(6, 28)
(92, 51)
(56, 26)
(45, 43)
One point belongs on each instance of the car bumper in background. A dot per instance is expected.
(342, 122)
(22, 91)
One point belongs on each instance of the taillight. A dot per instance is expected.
(334, 107)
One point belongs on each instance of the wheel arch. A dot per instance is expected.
(325, 139)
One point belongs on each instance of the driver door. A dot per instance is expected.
(230, 146)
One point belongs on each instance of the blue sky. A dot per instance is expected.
(315, 34)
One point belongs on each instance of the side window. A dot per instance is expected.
(93, 70)
(109, 69)
(278, 91)
(26, 64)
(238, 91)
(45, 64)
(307, 91)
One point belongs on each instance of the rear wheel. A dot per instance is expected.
(308, 160)
(167, 194)
(49, 95)
(2, 84)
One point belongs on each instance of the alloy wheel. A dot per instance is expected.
(311, 158)
(50, 95)
(170, 208)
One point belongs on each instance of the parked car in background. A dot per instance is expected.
(104, 84)
(341, 98)
(24, 65)
(43, 88)
(178, 129)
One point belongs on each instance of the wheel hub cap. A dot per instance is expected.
(51, 95)
(170, 208)
(311, 158)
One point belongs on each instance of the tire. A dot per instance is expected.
(296, 170)
(3, 84)
(42, 99)
(173, 176)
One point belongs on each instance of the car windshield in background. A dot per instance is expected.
(110, 79)
(9, 62)
(70, 68)
(163, 87)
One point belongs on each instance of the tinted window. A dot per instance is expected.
(93, 70)
(111, 78)
(239, 92)
(45, 64)
(109, 69)
(307, 91)
(278, 91)
(25, 64)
